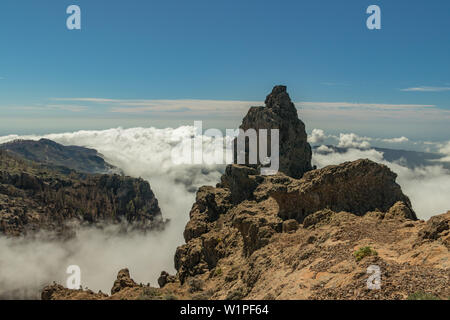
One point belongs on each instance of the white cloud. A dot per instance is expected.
(324, 149)
(321, 113)
(444, 148)
(52, 107)
(144, 105)
(317, 136)
(357, 105)
(426, 89)
(183, 105)
(396, 140)
(352, 140)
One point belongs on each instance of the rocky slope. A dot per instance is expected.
(314, 260)
(299, 234)
(34, 197)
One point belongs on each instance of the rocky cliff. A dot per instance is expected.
(34, 196)
(299, 234)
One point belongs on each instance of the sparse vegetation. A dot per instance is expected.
(237, 294)
(170, 296)
(420, 295)
(206, 295)
(363, 252)
(218, 272)
(195, 285)
(149, 293)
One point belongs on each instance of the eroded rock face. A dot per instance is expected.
(357, 187)
(280, 113)
(35, 197)
(437, 228)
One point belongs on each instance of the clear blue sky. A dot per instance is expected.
(219, 50)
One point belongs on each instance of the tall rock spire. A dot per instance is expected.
(280, 113)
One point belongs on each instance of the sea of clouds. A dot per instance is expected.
(26, 265)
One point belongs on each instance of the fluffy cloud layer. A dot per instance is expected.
(317, 136)
(351, 140)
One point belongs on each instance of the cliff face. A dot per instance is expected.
(35, 197)
(280, 113)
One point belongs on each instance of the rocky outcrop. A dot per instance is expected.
(34, 197)
(123, 281)
(268, 205)
(166, 278)
(124, 288)
(280, 113)
(437, 229)
(358, 187)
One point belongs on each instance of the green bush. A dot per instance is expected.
(420, 295)
(364, 252)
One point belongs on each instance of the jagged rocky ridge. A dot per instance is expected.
(36, 196)
(295, 235)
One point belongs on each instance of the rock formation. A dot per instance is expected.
(280, 113)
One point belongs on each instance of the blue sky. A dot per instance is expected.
(138, 53)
